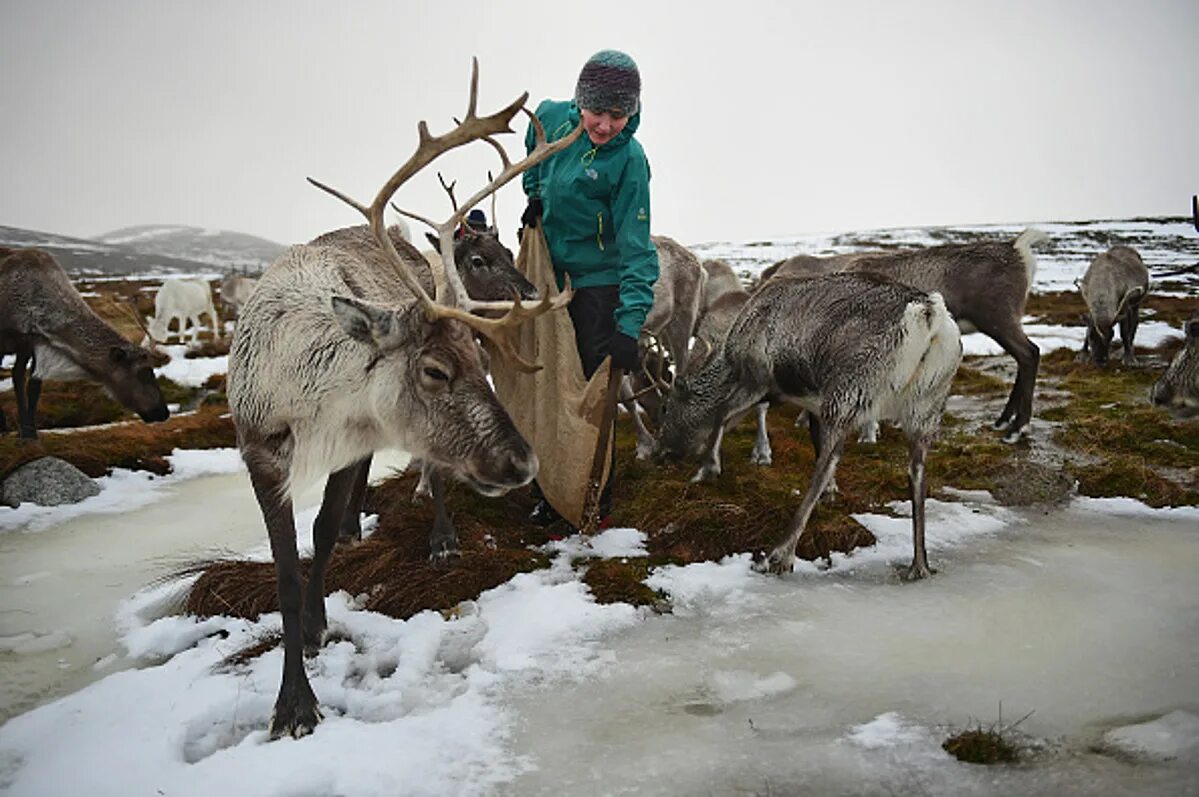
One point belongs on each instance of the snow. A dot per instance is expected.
(123, 490)
(1164, 738)
(834, 679)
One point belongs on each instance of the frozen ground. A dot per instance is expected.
(837, 681)
(843, 680)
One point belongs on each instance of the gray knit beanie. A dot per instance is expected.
(609, 82)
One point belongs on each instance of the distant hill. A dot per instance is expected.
(221, 248)
(151, 249)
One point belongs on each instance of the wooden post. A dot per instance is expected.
(591, 512)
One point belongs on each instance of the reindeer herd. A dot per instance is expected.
(356, 342)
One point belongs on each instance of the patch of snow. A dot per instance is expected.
(1174, 735)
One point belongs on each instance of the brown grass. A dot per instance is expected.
(134, 445)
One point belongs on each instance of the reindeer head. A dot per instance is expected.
(487, 267)
(133, 383)
(1177, 390)
(694, 409)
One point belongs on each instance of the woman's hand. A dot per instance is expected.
(624, 352)
(532, 213)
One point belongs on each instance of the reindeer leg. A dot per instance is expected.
(424, 487)
(351, 520)
(339, 488)
(1018, 410)
(782, 558)
(443, 538)
(645, 438)
(762, 455)
(710, 468)
(296, 712)
(816, 432)
(917, 480)
(23, 387)
(1128, 331)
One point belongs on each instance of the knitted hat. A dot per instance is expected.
(477, 220)
(609, 82)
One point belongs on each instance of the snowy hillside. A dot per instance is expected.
(221, 248)
(157, 249)
(1170, 247)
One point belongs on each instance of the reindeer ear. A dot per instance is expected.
(1191, 328)
(361, 321)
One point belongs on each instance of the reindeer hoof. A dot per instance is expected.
(915, 572)
(761, 458)
(1014, 435)
(442, 554)
(296, 714)
(777, 563)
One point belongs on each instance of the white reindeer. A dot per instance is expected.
(184, 300)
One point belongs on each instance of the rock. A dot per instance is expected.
(48, 481)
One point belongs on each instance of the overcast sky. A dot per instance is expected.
(759, 118)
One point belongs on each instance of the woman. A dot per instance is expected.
(592, 201)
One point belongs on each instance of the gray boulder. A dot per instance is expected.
(48, 481)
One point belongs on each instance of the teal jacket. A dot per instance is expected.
(595, 211)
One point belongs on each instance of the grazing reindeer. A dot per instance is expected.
(847, 348)
(1113, 287)
(985, 287)
(335, 359)
(235, 290)
(186, 300)
(721, 307)
(43, 319)
(1177, 390)
(678, 299)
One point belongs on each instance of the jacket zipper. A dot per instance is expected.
(599, 233)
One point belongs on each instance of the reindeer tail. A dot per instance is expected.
(1023, 245)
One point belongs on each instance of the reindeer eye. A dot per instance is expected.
(477, 261)
(436, 373)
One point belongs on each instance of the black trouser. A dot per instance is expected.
(592, 311)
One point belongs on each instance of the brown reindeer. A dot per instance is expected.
(335, 358)
(985, 287)
(44, 320)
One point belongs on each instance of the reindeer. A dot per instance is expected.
(678, 299)
(1113, 287)
(488, 272)
(724, 298)
(43, 319)
(235, 289)
(335, 359)
(984, 285)
(1177, 389)
(185, 300)
(847, 348)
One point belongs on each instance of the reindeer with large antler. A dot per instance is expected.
(337, 356)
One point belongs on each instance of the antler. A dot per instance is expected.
(447, 282)
(449, 189)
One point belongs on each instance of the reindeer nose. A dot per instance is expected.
(156, 414)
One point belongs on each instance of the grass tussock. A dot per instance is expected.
(1128, 447)
(134, 445)
(980, 746)
(390, 570)
(1066, 308)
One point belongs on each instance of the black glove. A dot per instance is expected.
(532, 213)
(624, 352)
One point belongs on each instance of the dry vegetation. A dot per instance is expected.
(1094, 433)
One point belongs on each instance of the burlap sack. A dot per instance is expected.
(555, 409)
